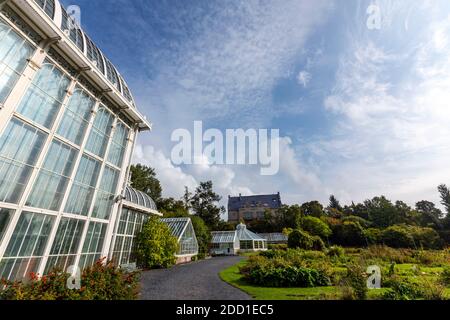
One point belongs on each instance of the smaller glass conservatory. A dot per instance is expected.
(274, 238)
(224, 243)
(136, 208)
(249, 241)
(183, 230)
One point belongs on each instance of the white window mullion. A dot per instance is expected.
(72, 180)
(89, 215)
(121, 183)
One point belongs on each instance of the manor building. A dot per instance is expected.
(68, 126)
(252, 208)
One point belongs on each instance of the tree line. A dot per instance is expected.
(374, 221)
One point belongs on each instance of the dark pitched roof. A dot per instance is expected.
(271, 201)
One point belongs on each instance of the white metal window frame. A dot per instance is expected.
(9, 107)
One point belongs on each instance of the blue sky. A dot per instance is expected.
(361, 112)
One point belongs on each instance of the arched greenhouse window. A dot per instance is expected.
(14, 52)
(44, 97)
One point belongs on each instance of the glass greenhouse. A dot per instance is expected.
(68, 126)
(274, 238)
(136, 209)
(224, 243)
(249, 241)
(183, 230)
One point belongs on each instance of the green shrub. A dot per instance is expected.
(402, 289)
(433, 291)
(444, 278)
(99, 282)
(281, 246)
(336, 251)
(287, 276)
(156, 246)
(356, 279)
(318, 243)
(349, 233)
(426, 237)
(294, 267)
(315, 227)
(270, 254)
(397, 237)
(203, 236)
(363, 222)
(404, 236)
(373, 236)
(300, 239)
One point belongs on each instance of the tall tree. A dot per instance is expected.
(382, 213)
(429, 215)
(187, 196)
(334, 203)
(173, 208)
(144, 179)
(445, 197)
(204, 204)
(312, 208)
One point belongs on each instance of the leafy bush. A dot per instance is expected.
(363, 222)
(318, 243)
(300, 239)
(279, 273)
(426, 237)
(356, 279)
(348, 233)
(336, 251)
(397, 237)
(402, 289)
(433, 291)
(156, 246)
(315, 227)
(373, 236)
(404, 236)
(99, 282)
(445, 276)
(278, 246)
(203, 236)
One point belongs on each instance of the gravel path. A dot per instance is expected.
(193, 281)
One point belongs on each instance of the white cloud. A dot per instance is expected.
(303, 78)
(392, 136)
(228, 67)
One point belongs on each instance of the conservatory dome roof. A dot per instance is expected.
(54, 10)
(139, 198)
(244, 234)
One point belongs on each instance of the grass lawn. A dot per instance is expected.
(232, 276)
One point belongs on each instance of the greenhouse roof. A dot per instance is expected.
(223, 236)
(177, 225)
(244, 234)
(140, 201)
(66, 22)
(276, 237)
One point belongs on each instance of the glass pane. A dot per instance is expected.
(20, 146)
(43, 99)
(14, 52)
(106, 194)
(51, 183)
(118, 145)
(5, 217)
(82, 190)
(26, 247)
(76, 116)
(99, 136)
(66, 243)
